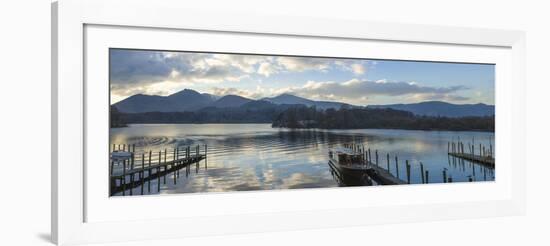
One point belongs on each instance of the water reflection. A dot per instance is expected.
(258, 157)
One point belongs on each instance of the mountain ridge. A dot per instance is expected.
(189, 100)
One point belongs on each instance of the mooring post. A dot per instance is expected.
(422, 172)
(427, 177)
(142, 170)
(131, 184)
(376, 155)
(158, 171)
(448, 147)
(124, 177)
(165, 166)
(149, 173)
(479, 149)
(445, 175)
(132, 158)
(408, 171)
(396, 167)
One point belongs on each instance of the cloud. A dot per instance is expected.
(266, 69)
(358, 90)
(134, 71)
(358, 69)
(300, 64)
(258, 93)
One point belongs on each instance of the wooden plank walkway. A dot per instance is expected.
(382, 176)
(485, 160)
(140, 169)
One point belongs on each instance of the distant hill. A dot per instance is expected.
(437, 108)
(230, 101)
(192, 101)
(291, 99)
(185, 100)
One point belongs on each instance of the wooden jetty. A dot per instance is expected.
(382, 176)
(381, 171)
(374, 170)
(139, 169)
(483, 155)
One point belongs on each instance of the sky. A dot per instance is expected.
(354, 81)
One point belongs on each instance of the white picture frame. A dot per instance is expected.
(78, 217)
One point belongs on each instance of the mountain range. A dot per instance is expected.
(192, 101)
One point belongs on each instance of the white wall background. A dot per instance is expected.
(25, 127)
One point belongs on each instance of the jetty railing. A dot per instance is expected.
(140, 168)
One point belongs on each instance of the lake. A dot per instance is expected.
(243, 157)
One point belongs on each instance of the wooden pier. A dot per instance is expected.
(374, 170)
(482, 155)
(381, 171)
(129, 169)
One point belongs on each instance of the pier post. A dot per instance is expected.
(448, 147)
(376, 155)
(142, 170)
(149, 173)
(427, 177)
(479, 149)
(158, 171)
(124, 177)
(445, 175)
(422, 172)
(408, 171)
(131, 183)
(165, 166)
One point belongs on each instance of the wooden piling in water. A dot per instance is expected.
(149, 173)
(427, 177)
(158, 171)
(422, 172)
(376, 155)
(445, 175)
(142, 173)
(164, 176)
(408, 171)
(124, 177)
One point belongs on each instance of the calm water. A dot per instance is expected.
(258, 157)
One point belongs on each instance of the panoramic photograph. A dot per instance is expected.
(200, 122)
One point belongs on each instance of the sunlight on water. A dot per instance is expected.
(258, 157)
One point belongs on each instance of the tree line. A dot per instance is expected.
(361, 118)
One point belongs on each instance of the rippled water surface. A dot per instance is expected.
(258, 157)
